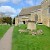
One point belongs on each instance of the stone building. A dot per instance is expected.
(40, 14)
(46, 12)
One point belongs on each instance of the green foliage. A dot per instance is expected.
(0, 20)
(7, 20)
(4, 20)
(22, 26)
(14, 21)
(22, 41)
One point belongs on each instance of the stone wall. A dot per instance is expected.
(16, 21)
(39, 14)
(45, 13)
(24, 18)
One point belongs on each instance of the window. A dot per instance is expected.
(36, 17)
(49, 8)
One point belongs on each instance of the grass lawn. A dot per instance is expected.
(24, 41)
(3, 29)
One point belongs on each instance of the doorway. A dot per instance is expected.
(23, 22)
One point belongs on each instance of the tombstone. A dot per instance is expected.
(31, 25)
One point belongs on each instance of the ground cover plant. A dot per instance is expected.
(25, 41)
(3, 29)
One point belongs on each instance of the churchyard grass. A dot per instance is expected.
(3, 29)
(25, 41)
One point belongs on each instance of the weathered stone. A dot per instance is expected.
(31, 25)
(16, 21)
(21, 30)
(39, 32)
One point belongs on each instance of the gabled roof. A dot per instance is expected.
(26, 11)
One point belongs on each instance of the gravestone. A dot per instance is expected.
(31, 25)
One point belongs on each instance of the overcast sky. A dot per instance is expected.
(13, 7)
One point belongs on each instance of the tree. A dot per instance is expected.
(4, 19)
(9, 20)
(14, 21)
(0, 20)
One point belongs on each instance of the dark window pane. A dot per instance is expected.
(49, 9)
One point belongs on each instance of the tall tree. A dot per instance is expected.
(14, 21)
(9, 20)
(1, 20)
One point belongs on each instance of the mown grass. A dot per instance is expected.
(3, 29)
(24, 41)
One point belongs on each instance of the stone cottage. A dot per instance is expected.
(40, 14)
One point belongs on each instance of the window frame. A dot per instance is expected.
(49, 9)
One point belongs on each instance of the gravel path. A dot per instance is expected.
(5, 42)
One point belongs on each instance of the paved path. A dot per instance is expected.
(5, 42)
